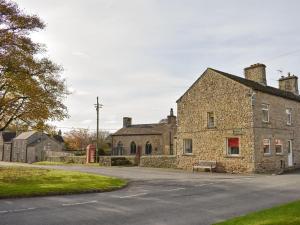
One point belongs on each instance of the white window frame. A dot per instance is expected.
(208, 123)
(278, 153)
(288, 112)
(184, 146)
(227, 149)
(269, 143)
(265, 107)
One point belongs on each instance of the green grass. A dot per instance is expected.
(27, 181)
(48, 163)
(288, 214)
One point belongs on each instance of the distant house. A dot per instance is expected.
(6, 139)
(145, 139)
(31, 146)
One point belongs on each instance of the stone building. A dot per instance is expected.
(145, 139)
(241, 123)
(31, 146)
(6, 139)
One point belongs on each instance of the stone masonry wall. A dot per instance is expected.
(140, 140)
(159, 161)
(276, 128)
(231, 104)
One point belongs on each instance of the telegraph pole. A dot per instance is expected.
(98, 106)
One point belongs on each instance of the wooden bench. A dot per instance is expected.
(203, 164)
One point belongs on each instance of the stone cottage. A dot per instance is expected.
(31, 146)
(6, 140)
(241, 123)
(145, 139)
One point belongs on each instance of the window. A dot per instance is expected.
(120, 148)
(210, 120)
(265, 113)
(278, 146)
(148, 148)
(289, 116)
(133, 148)
(233, 146)
(187, 146)
(267, 149)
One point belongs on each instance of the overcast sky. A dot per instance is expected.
(140, 56)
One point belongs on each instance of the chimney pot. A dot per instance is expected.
(257, 73)
(127, 122)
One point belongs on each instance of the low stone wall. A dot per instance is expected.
(67, 159)
(107, 160)
(159, 161)
(57, 154)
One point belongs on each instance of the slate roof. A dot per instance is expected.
(255, 86)
(140, 129)
(8, 136)
(25, 135)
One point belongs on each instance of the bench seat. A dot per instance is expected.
(203, 164)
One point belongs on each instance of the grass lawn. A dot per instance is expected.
(48, 163)
(27, 181)
(288, 214)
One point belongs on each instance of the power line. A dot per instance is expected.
(281, 55)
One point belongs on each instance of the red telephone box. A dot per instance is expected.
(90, 153)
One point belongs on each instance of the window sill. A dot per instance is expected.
(214, 127)
(279, 154)
(267, 154)
(234, 156)
(266, 122)
(187, 154)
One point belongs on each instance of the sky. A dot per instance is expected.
(140, 56)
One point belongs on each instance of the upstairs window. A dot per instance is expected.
(278, 146)
(289, 116)
(267, 149)
(265, 113)
(210, 120)
(187, 146)
(233, 146)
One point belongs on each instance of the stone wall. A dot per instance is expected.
(276, 128)
(107, 160)
(159, 161)
(231, 105)
(67, 159)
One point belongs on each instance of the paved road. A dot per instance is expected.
(156, 197)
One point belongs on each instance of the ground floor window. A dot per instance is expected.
(120, 148)
(267, 149)
(233, 146)
(187, 146)
(133, 148)
(278, 146)
(148, 148)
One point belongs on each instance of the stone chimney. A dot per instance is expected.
(171, 117)
(257, 73)
(127, 122)
(289, 83)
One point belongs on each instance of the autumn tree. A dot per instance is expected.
(79, 139)
(31, 88)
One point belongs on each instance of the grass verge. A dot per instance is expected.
(27, 182)
(288, 214)
(48, 163)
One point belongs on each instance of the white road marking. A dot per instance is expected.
(79, 203)
(201, 185)
(130, 196)
(16, 210)
(175, 189)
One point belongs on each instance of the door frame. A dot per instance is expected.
(290, 154)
